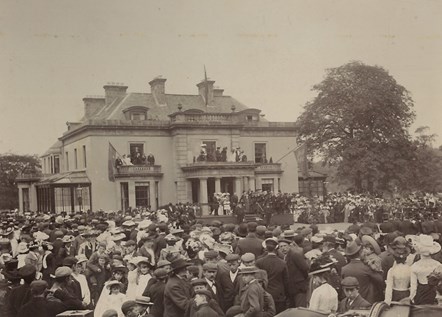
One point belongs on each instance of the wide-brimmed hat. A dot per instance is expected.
(114, 282)
(321, 264)
(119, 268)
(426, 246)
(81, 258)
(119, 237)
(352, 248)
(178, 264)
(369, 240)
(143, 300)
(22, 247)
(68, 238)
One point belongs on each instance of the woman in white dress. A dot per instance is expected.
(324, 297)
(112, 298)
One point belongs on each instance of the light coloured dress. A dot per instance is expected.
(324, 299)
(398, 282)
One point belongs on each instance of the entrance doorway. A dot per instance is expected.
(227, 185)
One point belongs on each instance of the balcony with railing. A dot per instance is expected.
(138, 171)
(29, 177)
(269, 168)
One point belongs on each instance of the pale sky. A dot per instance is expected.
(266, 54)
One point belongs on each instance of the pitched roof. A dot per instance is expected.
(114, 111)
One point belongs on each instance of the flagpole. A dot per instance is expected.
(292, 150)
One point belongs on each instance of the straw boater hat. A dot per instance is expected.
(426, 246)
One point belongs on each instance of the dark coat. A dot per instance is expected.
(177, 295)
(250, 244)
(277, 275)
(205, 310)
(298, 270)
(155, 291)
(18, 297)
(370, 282)
(41, 307)
(227, 290)
(252, 299)
(358, 303)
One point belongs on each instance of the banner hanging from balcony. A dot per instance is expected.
(111, 162)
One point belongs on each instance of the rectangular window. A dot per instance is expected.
(260, 153)
(56, 164)
(67, 161)
(267, 184)
(124, 188)
(210, 150)
(157, 194)
(142, 199)
(82, 199)
(137, 156)
(75, 159)
(63, 200)
(84, 156)
(25, 195)
(52, 165)
(138, 116)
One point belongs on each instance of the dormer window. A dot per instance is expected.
(138, 116)
(136, 113)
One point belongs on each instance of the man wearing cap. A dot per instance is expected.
(130, 308)
(209, 272)
(155, 290)
(251, 243)
(277, 274)
(228, 282)
(177, 293)
(252, 295)
(203, 309)
(369, 280)
(22, 294)
(61, 291)
(353, 300)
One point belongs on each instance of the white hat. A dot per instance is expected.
(426, 245)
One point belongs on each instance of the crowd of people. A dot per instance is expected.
(161, 264)
(137, 158)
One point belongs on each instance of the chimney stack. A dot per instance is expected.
(218, 92)
(112, 91)
(92, 105)
(205, 90)
(158, 90)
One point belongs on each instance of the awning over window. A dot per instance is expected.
(75, 177)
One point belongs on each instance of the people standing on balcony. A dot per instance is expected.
(150, 159)
(126, 160)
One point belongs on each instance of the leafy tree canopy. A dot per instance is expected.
(11, 165)
(359, 121)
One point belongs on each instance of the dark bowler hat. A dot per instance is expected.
(352, 248)
(178, 264)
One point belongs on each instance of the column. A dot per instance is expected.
(252, 185)
(258, 184)
(275, 184)
(20, 200)
(152, 195)
(132, 202)
(217, 185)
(203, 199)
(238, 189)
(246, 183)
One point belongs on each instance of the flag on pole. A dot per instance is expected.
(301, 158)
(111, 162)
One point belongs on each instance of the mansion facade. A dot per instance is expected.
(152, 148)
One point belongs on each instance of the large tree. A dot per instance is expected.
(358, 122)
(11, 165)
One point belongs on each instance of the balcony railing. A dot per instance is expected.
(23, 177)
(269, 168)
(138, 170)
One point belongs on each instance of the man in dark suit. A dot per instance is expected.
(156, 292)
(277, 274)
(371, 282)
(298, 269)
(353, 300)
(251, 243)
(178, 291)
(21, 295)
(228, 282)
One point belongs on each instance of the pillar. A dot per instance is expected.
(20, 200)
(252, 184)
(131, 190)
(203, 199)
(258, 184)
(217, 185)
(246, 183)
(238, 189)
(153, 205)
(275, 184)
